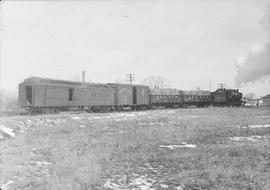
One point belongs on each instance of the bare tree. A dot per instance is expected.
(12, 102)
(156, 83)
(2, 100)
(120, 81)
(76, 77)
(8, 101)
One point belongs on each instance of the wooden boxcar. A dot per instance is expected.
(128, 96)
(49, 95)
(42, 95)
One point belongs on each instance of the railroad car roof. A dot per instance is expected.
(266, 97)
(226, 89)
(118, 84)
(61, 82)
(73, 83)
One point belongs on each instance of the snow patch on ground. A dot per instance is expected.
(142, 113)
(111, 185)
(40, 163)
(35, 168)
(108, 116)
(252, 138)
(5, 186)
(7, 131)
(167, 112)
(194, 116)
(152, 123)
(135, 182)
(259, 126)
(164, 186)
(121, 119)
(183, 145)
(142, 182)
(179, 188)
(40, 168)
(113, 116)
(32, 124)
(149, 176)
(76, 118)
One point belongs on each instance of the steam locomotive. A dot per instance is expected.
(42, 95)
(226, 97)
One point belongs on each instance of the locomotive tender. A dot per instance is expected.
(42, 95)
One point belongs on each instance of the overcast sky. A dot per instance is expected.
(191, 43)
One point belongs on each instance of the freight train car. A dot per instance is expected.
(199, 98)
(166, 98)
(47, 95)
(180, 98)
(39, 95)
(131, 97)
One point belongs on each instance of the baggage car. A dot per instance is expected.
(48, 95)
(39, 95)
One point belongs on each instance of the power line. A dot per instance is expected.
(222, 85)
(210, 85)
(130, 77)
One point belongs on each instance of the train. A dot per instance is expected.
(227, 97)
(45, 95)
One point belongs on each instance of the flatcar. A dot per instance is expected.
(199, 98)
(166, 98)
(180, 98)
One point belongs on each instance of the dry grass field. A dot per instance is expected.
(181, 149)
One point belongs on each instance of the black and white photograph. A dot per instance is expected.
(134, 94)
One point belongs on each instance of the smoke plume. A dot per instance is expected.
(255, 66)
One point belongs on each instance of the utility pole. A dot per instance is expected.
(222, 85)
(130, 77)
(210, 86)
(83, 76)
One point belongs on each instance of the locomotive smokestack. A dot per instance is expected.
(83, 76)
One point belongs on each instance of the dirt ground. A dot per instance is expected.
(181, 149)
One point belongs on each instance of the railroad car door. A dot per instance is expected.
(70, 94)
(134, 94)
(115, 96)
(45, 97)
(29, 96)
